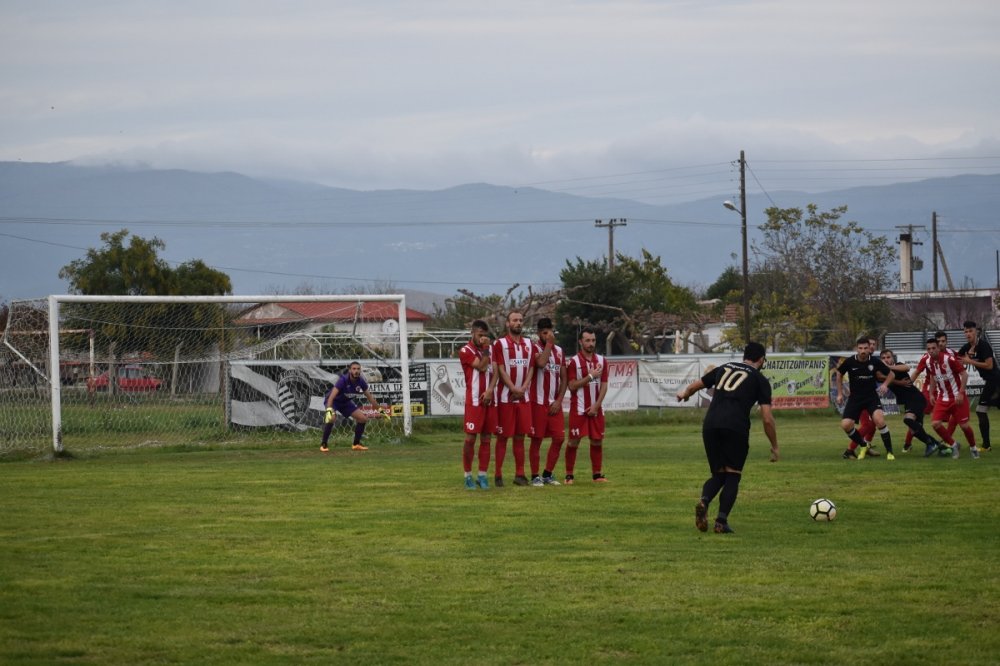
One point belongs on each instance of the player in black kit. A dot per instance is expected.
(726, 430)
(865, 391)
(978, 353)
(912, 401)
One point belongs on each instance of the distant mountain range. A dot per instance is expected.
(279, 236)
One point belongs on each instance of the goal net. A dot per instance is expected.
(92, 372)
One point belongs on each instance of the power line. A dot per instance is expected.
(352, 278)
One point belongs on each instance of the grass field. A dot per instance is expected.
(280, 554)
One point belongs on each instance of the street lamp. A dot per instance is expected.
(746, 271)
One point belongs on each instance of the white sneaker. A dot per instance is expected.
(550, 481)
(537, 482)
(975, 453)
(954, 452)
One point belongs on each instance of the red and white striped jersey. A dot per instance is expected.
(545, 383)
(476, 381)
(584, 397)
(515, 357)
(944, 371)
(925, 385)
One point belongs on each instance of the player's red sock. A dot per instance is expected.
(596, 458)
(519, 456)
(570, 459)
(484, 455)
(942, 430)
(909, 439)
(552, 458)
(468, 453)
(500, 455)
(535, 455)
(970, 435)
(952, 425)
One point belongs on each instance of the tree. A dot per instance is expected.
(728, 287)
(459, 312)
(626, 303)
(136, 269)
(812, 272)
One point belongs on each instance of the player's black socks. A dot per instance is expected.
(359, 430)
(886, 439)
(712, 487)
(984, 428)
(327, 429)
(917, 428)
(856, 437)
(730, 489)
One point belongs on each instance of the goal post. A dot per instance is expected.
(153, 363)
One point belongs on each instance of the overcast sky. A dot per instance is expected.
(559, 93)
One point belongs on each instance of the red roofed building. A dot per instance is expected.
(370, 321)
(333, 313)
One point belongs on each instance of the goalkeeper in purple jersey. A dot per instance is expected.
(341, 397)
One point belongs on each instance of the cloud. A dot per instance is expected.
(377, 95)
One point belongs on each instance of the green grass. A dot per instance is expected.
(271, 554)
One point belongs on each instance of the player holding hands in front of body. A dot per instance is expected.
(512, 368)
(587, 381)
(341, 398)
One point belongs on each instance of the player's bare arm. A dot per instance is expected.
(770, 429)
(483, 362)
(883, 388)
(556, 405)
(524, 388)
(374, 403)
(542, 359)
(595, 408)
(690, 390)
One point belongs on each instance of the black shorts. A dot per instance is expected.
(912, 400)
(726, 448)
(990, 396)
(857, 404)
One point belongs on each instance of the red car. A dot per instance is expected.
(131, 378)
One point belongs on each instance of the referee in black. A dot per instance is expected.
(726, 430)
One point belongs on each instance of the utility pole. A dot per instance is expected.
(610, 226)
(742, 210)
(935, 244)
(746, 265)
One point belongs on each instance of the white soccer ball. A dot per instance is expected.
(823, 510)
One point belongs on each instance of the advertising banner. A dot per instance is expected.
(447, 388)
(290, 394)
(623, 386)
(661, 381)
(798, 382)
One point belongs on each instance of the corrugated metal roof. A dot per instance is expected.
(330, 312)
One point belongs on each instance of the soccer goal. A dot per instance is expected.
(88, 372)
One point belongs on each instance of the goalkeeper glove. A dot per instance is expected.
(329, 415)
